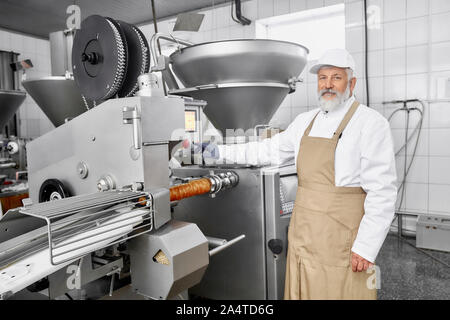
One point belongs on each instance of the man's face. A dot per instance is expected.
(334, 87)
(332, 79)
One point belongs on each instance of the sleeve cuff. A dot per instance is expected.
(364, 251)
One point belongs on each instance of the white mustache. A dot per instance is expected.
(324, 91)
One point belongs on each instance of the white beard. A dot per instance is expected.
(328, 105)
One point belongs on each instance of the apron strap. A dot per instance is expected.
(308, 129)
(345, 121)
(343, 124)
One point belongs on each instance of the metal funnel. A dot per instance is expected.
(239, 106)
(10, 101)
(58, 97)
(243, 81)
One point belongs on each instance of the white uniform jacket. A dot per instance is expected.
(364, 157)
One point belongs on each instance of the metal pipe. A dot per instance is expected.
(226, 245)
(216, 242)
(155, 40)
(155, 25)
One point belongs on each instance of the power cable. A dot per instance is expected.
(366, 52)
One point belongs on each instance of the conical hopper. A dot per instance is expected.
(243, 81)
(10, 101)
(58, 97)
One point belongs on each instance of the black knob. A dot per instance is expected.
(275, 245)
(92, 57)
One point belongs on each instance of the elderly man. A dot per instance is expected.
(346, 187)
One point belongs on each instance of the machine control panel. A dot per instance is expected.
(288, 191)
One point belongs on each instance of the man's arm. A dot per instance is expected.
(277, 150)
(378, 179)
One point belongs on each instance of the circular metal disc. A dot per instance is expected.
(138, 62)
(101, 77)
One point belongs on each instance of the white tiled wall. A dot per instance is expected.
(412, 48)
(32, 121)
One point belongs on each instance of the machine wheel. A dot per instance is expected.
(108, 55)
(52, 189)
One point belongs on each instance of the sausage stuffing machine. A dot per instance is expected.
(100, 199)
(106, 211)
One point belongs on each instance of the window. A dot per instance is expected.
(317, 29)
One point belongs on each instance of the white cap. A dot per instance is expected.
(340, 58)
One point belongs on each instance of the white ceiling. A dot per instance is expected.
(40, 17)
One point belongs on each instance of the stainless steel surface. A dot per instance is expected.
(80, 273)
(280, 188)
(9, 80)
(98, 145)
(61, 51)
(243, 60)
(186, 251)
(161, 63)
(58, 97)
(240, 271)
(249, 269)
(10, 101)
(161, 205)
(240, 107)
(101, 140)
(261, 71)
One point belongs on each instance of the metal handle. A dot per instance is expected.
(154, 41)
(7, 165)
(226, 245)
(131, 116)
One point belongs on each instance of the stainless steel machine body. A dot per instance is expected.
(123, 143)
(184, 248)
(97, 146)
(260, 207)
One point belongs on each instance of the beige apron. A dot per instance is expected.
(323, 226)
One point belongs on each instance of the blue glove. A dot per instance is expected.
(210, 151)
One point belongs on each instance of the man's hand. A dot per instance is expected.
(359, 263)
(209, 150)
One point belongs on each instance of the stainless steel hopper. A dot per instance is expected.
(10, 101)
(243, 81)
(58, 97)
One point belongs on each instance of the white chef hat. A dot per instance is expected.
(340, 58)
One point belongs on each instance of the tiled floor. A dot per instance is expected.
(407, 273)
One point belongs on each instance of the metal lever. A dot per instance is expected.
(225, 245)
(112, 274)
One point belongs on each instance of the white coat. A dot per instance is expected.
(364, 157)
